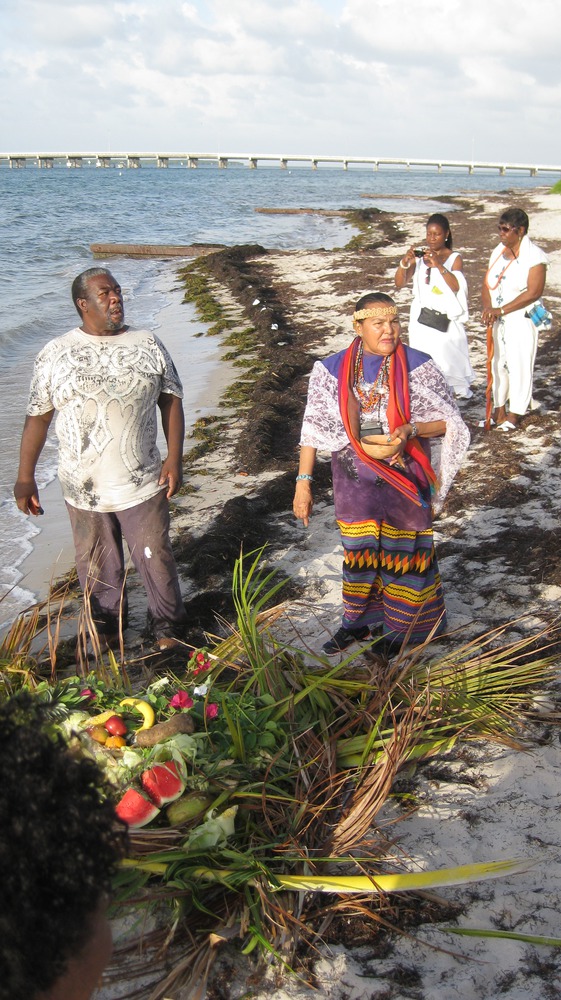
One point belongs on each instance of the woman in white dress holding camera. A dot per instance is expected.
(439, 308)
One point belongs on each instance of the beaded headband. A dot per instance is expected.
(375, 312)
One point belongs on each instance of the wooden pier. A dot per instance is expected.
(192, 160)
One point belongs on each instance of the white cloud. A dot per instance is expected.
(384, 77)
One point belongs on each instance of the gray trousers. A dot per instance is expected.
(98, 540)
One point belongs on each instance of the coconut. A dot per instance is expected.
(163, 783)
(135, 809)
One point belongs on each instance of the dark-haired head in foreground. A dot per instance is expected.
(59, 845)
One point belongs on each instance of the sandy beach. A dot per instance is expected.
(497, 539)
(498, 544)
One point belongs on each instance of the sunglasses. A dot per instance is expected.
(505, 229)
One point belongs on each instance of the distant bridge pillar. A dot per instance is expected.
(345, 164)
(103, 161)
(133, 162)
(283, 164)
(74, 161)
(471, 168)
(162, 161)
(46, 161)
(314, 164)
(502, 171)
(375, 165)
(222, 162)
(252, 163)
(192, 162)
(533, 172)
(17, 162)
(439, 168)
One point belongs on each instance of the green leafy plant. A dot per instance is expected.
(286, 767)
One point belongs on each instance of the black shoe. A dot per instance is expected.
(343, 638)
(388, 646)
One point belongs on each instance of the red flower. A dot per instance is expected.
(181, 700)
(87, 693)
(212, 710)
(202, 664)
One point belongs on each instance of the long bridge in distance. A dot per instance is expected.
(251, 160)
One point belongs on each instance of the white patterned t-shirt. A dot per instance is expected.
(105, 391)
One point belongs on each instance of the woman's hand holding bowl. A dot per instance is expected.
(386, 448)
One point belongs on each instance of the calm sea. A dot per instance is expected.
(49, 218)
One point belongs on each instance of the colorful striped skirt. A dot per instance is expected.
(390, 570)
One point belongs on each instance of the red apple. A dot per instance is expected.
(116, 726)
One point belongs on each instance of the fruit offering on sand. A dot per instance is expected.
(135, 809)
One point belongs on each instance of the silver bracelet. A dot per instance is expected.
(414, 430)
(304, 475)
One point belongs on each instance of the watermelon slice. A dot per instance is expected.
(135, 809)
(163, 783)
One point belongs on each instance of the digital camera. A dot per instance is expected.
(420, 251)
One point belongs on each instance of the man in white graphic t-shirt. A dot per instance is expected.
(105, 382)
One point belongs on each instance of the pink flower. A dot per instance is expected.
(212, 710)
(87, 693)
(199, 662)
(202, 664)
(181, 700)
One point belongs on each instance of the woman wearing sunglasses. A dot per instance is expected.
(439, 308)
(512, 285)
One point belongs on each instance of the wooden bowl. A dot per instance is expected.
(377, 446)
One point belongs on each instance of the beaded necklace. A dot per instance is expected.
(493, 288)
(370, 397)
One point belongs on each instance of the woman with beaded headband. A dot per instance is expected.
(375, 406)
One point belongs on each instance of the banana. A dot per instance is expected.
(146, 711)
(100, 720)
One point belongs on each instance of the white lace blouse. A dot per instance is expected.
(431, 399)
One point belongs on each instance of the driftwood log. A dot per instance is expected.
(152, 250)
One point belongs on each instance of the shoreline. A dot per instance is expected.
(498, 543)
(238, 466)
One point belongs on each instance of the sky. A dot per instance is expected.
(472, 80)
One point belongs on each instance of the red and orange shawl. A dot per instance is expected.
(398, 413)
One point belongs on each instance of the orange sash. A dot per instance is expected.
(398, 413)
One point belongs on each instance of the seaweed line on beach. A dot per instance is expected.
(275, 312)
(285, 307)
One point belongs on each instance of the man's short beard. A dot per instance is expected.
(115, 324)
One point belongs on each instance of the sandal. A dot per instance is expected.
(483, 423)
(507, 427)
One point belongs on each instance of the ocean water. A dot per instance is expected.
(49, 218)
